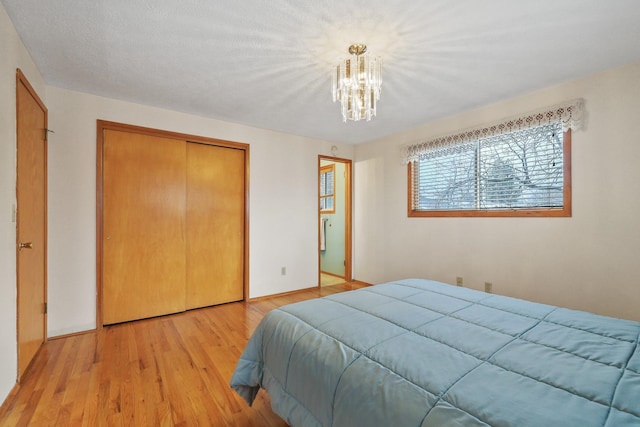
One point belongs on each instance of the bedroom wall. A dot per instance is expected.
(588, 261)
(283, 200)
(14, 55)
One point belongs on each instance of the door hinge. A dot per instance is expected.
(45, 308)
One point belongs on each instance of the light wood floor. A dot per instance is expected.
(167, 371)
(330, 280)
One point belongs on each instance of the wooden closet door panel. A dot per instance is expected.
(215, 224)
(31, 191)
(144, 226)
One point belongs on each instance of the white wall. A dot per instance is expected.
(283, 200)
(588, 261)
(13, 55)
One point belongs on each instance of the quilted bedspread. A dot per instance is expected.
(422, 353)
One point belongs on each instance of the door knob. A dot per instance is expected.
(28, 245)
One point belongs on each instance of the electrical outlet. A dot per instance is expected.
(488, 287)
(283, 271)
(458, 281)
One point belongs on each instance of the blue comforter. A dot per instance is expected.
(422, 353)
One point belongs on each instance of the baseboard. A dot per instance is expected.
(72, 334)
(282, 294)
(302, 290)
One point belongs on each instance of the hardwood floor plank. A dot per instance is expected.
(166, 371)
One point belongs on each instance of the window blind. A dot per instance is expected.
(517, 170)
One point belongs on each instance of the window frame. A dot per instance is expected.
(324, 170)
(565, 211)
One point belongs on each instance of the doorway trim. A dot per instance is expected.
(348, 163)
(103, 125)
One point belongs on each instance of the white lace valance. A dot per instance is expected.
(569, 114)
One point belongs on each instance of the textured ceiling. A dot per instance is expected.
(268, 63)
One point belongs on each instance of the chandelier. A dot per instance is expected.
(357, 83)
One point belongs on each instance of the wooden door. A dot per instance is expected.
(31, 189)
(144, 200)
(215, 224)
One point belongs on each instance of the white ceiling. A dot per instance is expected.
(268, 63)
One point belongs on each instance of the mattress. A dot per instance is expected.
(422, 353)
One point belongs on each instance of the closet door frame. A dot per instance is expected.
(102, 126)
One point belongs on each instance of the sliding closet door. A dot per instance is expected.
(215, 224)
(144, 226)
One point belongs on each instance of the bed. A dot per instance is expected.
(417, 352)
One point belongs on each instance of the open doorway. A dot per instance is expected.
(334, 220)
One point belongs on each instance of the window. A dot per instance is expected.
(327, 189)
(521, 167)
